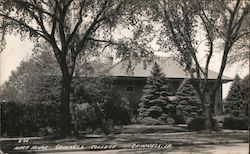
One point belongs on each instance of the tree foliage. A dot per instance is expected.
(187, 101)
(71, 27)
(155, 103)
(236, 104)
(94, 103)
(34, 80)
(238, 98)
(34, 107)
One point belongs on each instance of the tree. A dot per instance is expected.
(154, 101)
(35, 80)
(32, 95)
(237, 99)
(220, 21)
(245, 93)
(37, 91)
(187, 101)
(241, 51)
(70, 27)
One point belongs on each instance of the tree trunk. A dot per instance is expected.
(208, 120)
(211, 108)
(65, 107)
(207, 112)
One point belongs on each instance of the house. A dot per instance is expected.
(131, 80)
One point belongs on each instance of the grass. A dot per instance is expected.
(159, 134)
(133, 129)
(149, 134)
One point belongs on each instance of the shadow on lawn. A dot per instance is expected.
(131, 129)
(194, 149)
(138, 134)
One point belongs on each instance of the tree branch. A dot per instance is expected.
(103, 41)
(30, 5)
(77, 25)
(31, 29)
(91, 27)
(238, 37)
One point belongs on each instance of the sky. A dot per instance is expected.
(17, 50)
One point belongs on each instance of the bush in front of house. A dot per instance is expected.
(116, 108)
(86, 116)
(231, 122)
(198, 124)
(179, 119)
(96, 106)
(101, 116)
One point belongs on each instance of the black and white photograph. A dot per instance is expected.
(124, 76)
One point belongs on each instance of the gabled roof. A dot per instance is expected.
(170, 67)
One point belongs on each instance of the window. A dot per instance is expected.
(130, 86)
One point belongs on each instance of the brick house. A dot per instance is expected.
(130, 82)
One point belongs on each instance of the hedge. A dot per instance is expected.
(231, 122)
(30, 119)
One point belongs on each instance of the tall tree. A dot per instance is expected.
(70, 27)
(187, 101)
(154, 101)
(220, 21)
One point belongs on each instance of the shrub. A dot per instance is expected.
(235, 122)
(135, 120)
(116, 109)
(47, 131)
(219, 120)
(30, 119)
(85, 116)
(179, 119)
(198, 124)
(109, 111)
(150, 121)
(170, 121)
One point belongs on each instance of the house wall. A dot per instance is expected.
(132, 96)
(138, 83)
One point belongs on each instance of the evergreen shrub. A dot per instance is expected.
(198, 124)
(231, 122)
(188, 104)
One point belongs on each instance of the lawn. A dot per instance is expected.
(132, 135)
